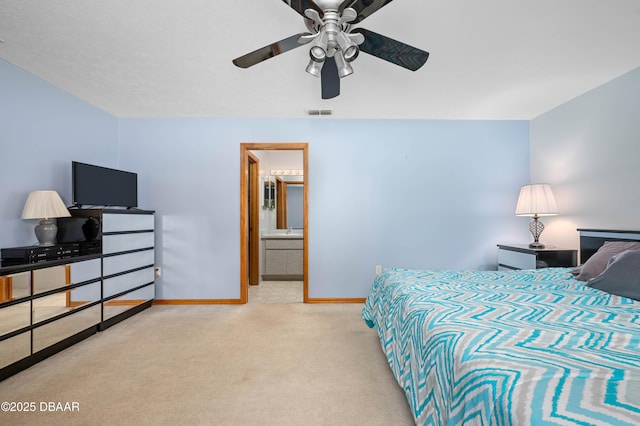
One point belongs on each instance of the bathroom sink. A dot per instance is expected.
(282, 234)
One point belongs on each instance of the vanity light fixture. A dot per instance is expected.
(287, 172)
(536, 200)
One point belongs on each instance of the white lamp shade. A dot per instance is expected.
(536, 200)
(44, 205)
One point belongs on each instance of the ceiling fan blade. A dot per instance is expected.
(268, 52)
(363, 8)
(330, 79)
(392, 50)
(301, 5)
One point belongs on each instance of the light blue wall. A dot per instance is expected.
(415, 193)
(588, 149)
(42, 129)
(410, 193)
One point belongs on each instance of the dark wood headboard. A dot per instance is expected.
(592, 239)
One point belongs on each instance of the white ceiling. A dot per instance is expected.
(490, 59)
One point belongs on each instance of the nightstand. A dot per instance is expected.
(520, 256)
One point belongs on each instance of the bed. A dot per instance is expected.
(526, 347)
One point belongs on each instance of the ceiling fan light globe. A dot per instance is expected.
(345, 71)
(344, 68)
(351, 53)
(314, 68)
(317, 53)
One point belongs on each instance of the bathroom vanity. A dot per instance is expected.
(282, 255)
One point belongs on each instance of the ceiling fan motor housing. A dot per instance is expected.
(332, 34)
(334, 44)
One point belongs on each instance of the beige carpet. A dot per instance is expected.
(266, 364)
(277, 292)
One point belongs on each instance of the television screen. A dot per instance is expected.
(101, 186)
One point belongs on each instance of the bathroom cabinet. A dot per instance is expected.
(282, 258)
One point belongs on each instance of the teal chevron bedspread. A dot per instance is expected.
(532, 347)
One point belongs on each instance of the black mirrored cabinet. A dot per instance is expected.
(48, 305)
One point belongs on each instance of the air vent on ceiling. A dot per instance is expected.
(315, 112)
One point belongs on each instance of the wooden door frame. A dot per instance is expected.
(281, 203)
(244, 221)
(254, 221)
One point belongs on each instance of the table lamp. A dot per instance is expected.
(536, 200)
(45, 205)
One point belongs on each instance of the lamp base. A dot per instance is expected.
(46, 232)
(536, 227)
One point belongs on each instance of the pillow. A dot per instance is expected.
(598, 262)
(622, 276)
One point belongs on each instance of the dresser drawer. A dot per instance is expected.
(53, 332)
(125, 282)
(123, 242)
(85, 271)
(127, 222)
(516, 260)
(125, 262)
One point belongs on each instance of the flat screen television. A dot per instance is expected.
(101, 186)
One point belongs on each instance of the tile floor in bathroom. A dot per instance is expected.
(276, 292)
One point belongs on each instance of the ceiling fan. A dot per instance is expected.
(334, 44)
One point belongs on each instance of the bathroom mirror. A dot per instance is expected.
(295, 205)
(290, 203)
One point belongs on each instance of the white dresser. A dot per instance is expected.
(128, 263)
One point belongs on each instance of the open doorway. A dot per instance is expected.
(254, 191)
